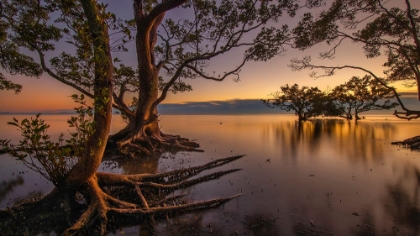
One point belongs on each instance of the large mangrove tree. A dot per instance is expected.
(170, 51)
(84, 201)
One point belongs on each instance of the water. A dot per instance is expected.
(324, 177)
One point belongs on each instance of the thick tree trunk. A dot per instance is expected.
(149, 195)
(94, 150)
(142, 135)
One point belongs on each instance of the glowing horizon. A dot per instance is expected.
(258, 79)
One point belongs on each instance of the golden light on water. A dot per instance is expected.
(322, 170)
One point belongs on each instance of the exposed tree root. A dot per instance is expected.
(111, 200)
(412, 143)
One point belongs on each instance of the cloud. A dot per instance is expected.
(235, 107)
(254, 106)
(247, 106)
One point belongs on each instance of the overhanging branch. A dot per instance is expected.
(329, 71)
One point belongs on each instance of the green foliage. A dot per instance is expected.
(53, 160)
(12, 60)
(6, 84)
(38, 26)
(305, 102)
(177, 87)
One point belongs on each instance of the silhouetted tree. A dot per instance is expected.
(305, 102)
(389, 28)
(360, 95)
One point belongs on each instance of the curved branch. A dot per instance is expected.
(55, 76)
(162, 8)
(232, 72)
(401, 23)
(413, 27)
(120, 105)
(44, 65)
(383, 42)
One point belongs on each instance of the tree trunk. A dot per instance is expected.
(149, 191)
(95, 146)
(142, 129)
(142, 135)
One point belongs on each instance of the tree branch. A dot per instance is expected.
(55, 76)
(329, 70)
(163, 7)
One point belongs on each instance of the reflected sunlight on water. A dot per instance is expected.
(320, 177)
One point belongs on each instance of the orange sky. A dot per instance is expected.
(258, 80)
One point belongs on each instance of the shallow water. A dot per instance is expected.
(325, 177)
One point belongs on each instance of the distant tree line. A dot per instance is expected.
(346, 100)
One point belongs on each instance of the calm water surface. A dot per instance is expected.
(325, 177)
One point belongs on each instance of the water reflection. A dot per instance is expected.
(357, 142)
(7, 186)
(298, 179)
(257, 224)
(149, 165)
(400, 205)
(402, 201)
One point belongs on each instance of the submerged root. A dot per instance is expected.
(412, 143)
(112, 200)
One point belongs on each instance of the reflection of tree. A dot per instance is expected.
(292, 135)
(199, 224)
(367, 227)
(401, 207)
(130, 167)
(259, 225)
(360, 141)
(402, 203)
(189, 224)
(7, 186)
(302, 229)
(354, 141)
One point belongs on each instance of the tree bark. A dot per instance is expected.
(142, 135)
(95, 147)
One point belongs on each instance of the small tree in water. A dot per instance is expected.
(360, 95)
(305, 102)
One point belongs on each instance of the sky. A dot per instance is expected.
(258, 79)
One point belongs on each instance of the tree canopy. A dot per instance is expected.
(346, 100)
(305, 102)
(360, 95)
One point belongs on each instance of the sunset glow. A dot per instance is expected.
(257, 80)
